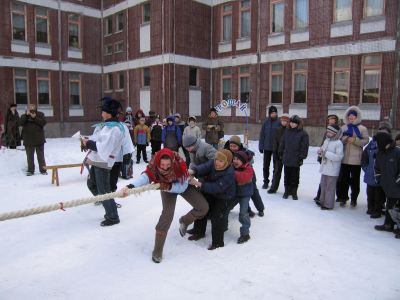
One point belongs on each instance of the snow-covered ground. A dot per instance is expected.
(296, 251)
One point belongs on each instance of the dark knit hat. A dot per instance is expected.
(385, 125)
(397, 137)
(272, 109)
(295, 119)
(111, 106)
(224, 155)
(152, 112)
(333, 128)
(189, 140)
(213, 109)
(382, 138)
(13, 105)
(244, 156)
(352, 112)
(235, 140)
(127, 121)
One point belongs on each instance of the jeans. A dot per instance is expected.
(99, 184)
(244, 218)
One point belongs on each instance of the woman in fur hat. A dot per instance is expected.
(11, 129)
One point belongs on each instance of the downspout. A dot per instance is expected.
(174, 31)
(101, 51)
(162, 54)
(127, 59)
(258, 65)
(60, 72)
(396, 72)
(211, 56)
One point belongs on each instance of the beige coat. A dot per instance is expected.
(353, 151)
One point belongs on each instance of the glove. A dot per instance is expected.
(300, 162)
(126, 159)
(261, 151)
(280, 154)
(164, 186)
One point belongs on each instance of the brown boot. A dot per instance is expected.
(158, 246)
(185, 221)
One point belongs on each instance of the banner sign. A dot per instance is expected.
(231, 102)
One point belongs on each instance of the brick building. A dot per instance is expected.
(306, 57)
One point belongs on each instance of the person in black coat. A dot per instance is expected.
(156, 129)
(387, 174)
(293, 149)
(11, 129)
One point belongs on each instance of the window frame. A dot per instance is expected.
(143, 5)
(299, 72)
(116, 47)
(80, 88)
(37, 85)
(294, 16)
(197, 77)
(106, 47)
(117, 23)
(143, 81)
(119, 80)
(338, 69)
(222, 20)
(242, 9)
(272, 73)
(48, 25)
(26, 77)
(244, 75)
(334, 12)
(79, 30)
(371, 67)
(108, 22)
(20, 13)
(272, 3)
(108, 81)
(365, 8)
(222, 80)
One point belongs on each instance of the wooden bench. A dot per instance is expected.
(54, 173)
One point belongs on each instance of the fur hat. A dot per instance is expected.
(142, 119)
(189, 140)
(235, 140)
(295, 119)
(385, 125)
(244, 156)
(333, 128)
(128, 109)
(285, 117)
(224, 155)
(192, 118)
(272, 109)
(152, 112)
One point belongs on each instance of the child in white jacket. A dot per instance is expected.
(192, 128)
(331, 153)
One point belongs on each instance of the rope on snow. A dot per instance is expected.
(73, 203)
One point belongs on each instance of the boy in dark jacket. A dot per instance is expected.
(142, 139)
(293, 149)
(387, 173)
(156, 133)
(151, 119)
(171, 135)
(218, 190)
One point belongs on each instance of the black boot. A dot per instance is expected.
(251, 213)
(294, 193)
(318, 193)
(287, 192)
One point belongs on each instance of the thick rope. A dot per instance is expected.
(73, 203)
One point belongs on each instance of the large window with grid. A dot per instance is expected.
(300, 16)
(374, 8)
(342, 10)
(371, 78)
(245, 25)
(75, 89)
(226, 22)
(277, 9)
(73, 30)
(244, 84)
(146, 12)
(276, 83)
(299, 82)
(340, 80)
(146, 77)
(43, 87)
(226, 76)
(18, 21)
(21, 86)
(42, 25)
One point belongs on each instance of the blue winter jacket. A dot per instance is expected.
(221, 184)
(267, 134)
(367, 163)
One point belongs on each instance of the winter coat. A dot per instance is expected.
(171, 136)
(367, 163)
(33, 130)
(136, 119)
(332, 155)
(267, 133)
(353, 151)
(277, 139)
(150, 120)
(244, 180)
(180, 123)
(212, 133)
(220, 184)
(142, 134)
(387, 170)
(201, 153)
(294, 145)
(11, 129)
(192, 129)
(131, 120)
(156, 131)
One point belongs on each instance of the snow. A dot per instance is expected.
(296, 251)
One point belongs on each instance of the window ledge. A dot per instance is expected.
(243, 43)
(300, 30)
(339, 106)
(146, 88)
(275, 34)
(369, 105)
(298, 109)
(373, 19)
(76, 107)
(118, 51)
(119, 31)
(342, 24)
(119, 90)
(107, 54)
(107, 92)
(17, 42)
(195, 88)
(74, 49)
(108, 34)
(39, 45)
(300, 35)
(247, 38)
(76, 111)
(224, 42)
(145, 24)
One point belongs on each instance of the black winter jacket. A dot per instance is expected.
(294, 145)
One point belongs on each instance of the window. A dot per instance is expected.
(43, 87)
(245, 18)
(119, 47)
(277, 16)
(121, 80)
(74, 89)
(21, 86)
(120, 22)
(108, 49)
(18, 16)
(42, 23)
(276, 83)
(193, 77)
(110, 82)
(227, 22)
(226, 83)
(342, 11)
(244, 80)
(371, 78)
(301, 14)
(300, 82)
(146, 77)
(340, 80)
(146, 13)
(374, 8)
(73, 31)
(109, 25)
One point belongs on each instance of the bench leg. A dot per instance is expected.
(52, 176)
(57, 177)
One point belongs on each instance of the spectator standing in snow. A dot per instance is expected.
(156, 133)
(331, 153)
(293, 149)
(138, 115)
(151, 119)
(212, 125)
(170, 171)
(11, 129)
(266, 142)
(142, 139)
(171, 135)
(192, 128)
(181, 124)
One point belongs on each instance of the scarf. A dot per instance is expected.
(177, 171)
(110, 123)
(350, 128)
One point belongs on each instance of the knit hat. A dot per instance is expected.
(235, 140)
(244, 156)
(127, 121)
(152, 112)
(128, 109)
(111, 106)
(213, 109)
(224, 155)
(189, 140)
(397, 137)
(382, 138)
(352, 112)
(333, 128)
(142, 119)
(285, 117)
(272, 109)
(13, 105)
(192, 118)
(295, 119)
(385, 125)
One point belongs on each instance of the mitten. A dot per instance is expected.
(300, 162)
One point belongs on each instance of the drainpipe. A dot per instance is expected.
(101, 51)
(127, 59)
(211, 56)
(174, 31)
(162, 54)
(258, 65)
(393, 118)
(60, 72)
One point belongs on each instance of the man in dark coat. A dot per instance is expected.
(11, 129)
(32, 123)
(212, 125)
(266, 142)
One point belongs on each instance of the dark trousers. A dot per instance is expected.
(349, 177)
(114, 174)
(267, 162)
(217, 210)
(256, 198)
(278, 165)
(155, 147)
(390, 202)
(292, 177)
(375, 198)
(141, 149)
(30, 155)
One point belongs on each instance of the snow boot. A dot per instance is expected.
(243, 239)
(287, 192)
(353, 203)
(190, 231)
(108, 222)
(385, 227)
(159, 246)
(184, 222)
(375, 215)
(369, 211)
(271, 191)
(294, 193)
(196, 237)
(261, 213)
(265, 185)
(251, 213)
